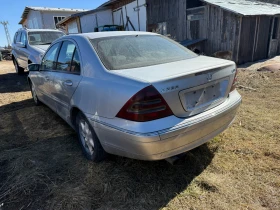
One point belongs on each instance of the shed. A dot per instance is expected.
(45, 17)
(249, 29)
(130, 14)
(85, 22)
(169, 17)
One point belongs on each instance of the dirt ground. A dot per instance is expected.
(42, 167)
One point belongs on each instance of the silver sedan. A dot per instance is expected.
(135, 94)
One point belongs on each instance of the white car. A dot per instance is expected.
(29, 45)
(135, 94)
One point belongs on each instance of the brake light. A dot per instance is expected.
(233, 86)
(146, 105)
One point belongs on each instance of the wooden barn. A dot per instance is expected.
(249, 29)
(169, 17)
(246, 29)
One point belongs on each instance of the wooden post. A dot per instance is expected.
(238, 45)
(256, 37)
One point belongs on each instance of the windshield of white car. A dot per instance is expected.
(43, 37)
(125, 52)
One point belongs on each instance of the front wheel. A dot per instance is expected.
(18, 69)
(34, 95)
(89, 141)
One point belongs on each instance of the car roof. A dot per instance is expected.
(34, 30)
(95, 35)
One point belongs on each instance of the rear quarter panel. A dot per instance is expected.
(101, 92)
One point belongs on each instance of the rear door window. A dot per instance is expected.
(18, 37)
(65, 56)
(49, 60)
(23, 38)
(68, 59)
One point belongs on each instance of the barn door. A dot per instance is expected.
(262, 38)
(246, 45)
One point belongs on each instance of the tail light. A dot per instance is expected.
(146, 105)
(234, 82)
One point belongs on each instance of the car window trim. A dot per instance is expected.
(67, 72)
(59, 71)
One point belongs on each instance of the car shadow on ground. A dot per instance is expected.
(42, 166)
(12, 82)
(42, 163)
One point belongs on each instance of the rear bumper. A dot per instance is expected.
(181, 137)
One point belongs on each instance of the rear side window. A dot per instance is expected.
(18, 37)
(23, 38)
(65, 56)
(124, 52)
(68, 59)
(49, 61)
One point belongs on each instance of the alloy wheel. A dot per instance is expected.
(34, 94)
(86, 136)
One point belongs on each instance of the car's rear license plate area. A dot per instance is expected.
(205, 95)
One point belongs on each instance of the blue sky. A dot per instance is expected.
(11, 10)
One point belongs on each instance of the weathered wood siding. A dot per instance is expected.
(262, 37)
(171, 12)
(247, 39)
(223, 31)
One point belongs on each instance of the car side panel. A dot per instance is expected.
(65, 85)
(45, 88)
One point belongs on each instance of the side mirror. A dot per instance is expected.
(20, 44)
(33, 67)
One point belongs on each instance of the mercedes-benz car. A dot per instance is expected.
(29, 45)
(135, 94)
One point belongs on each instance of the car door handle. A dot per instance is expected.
(68, 83)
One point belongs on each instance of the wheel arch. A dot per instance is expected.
(73, 114)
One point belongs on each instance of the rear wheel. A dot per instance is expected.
(89, 141)
(34, 95)
(19, 69)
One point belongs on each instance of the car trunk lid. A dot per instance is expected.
(189, 86)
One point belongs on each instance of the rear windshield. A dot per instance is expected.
(43, 37)
(124, 52)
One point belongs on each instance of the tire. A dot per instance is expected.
(19, 70)
(34, 95)
(88, 140)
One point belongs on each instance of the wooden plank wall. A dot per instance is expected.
(247, 39)
(262, 37)
(173, 12)
(223, 30)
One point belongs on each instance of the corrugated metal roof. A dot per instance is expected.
(247, 7)
(49, 9)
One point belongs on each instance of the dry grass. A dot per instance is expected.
(41, 165)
